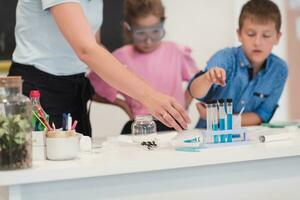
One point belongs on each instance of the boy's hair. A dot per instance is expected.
(141, 8)
(262, 11)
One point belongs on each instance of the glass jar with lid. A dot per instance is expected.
(143, 129)
(15, 125)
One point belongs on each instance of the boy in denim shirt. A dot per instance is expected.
(250, 74)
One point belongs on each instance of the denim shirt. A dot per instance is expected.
(259, 94)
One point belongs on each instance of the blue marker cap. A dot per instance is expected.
(64, 121)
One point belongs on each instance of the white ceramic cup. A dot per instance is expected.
(62, 148)
(85, 144)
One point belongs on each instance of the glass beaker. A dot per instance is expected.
(15, 125)
(143, 129)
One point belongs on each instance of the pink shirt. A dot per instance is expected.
(164, 69)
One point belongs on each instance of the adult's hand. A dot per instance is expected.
(167, 110)
(74, 26)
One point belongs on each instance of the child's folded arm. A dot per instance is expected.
(251, 119)
(267, 109)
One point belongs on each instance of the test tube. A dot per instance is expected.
(222, 115)
(209, 115)
(229, 113)
(214, 115)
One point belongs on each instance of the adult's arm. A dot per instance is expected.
(75, 28)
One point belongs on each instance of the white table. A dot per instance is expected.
(253, 171)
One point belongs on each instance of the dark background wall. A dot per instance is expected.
(111, 31)
(7, 23)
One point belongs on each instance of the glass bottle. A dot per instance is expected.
(15, 125)
(143, 129)
(37, 111)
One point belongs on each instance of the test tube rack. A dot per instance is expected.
(224, 136)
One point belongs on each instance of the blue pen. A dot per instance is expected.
(69, 122)
(64, 121)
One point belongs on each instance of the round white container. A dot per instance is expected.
(62, 148)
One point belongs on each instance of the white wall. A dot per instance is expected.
(205, 26)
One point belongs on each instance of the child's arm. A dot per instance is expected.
(250, 119)
(201, 85)
(98, 36)
(75, 28)
(188, 99)
(117, 102)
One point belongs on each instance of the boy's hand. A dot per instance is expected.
(201, 107)
(216, 75)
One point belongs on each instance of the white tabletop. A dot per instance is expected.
(124, 158)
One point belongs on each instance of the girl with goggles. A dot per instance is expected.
(142, 34)
(164, 65)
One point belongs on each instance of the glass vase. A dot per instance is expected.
(15, 125)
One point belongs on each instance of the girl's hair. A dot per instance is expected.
(261, 11)
(134, 9)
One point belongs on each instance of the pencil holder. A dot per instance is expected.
(62, 145)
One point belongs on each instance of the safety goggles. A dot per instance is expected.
(140, 35)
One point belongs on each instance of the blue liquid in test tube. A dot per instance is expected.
(216, 139)
(229, 137)
(223, 138)
(222, 124)
(229, 121)
(215, 127)
(229, 114)
(222, 115)
(214, 115)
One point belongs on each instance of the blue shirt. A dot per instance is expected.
(259, 94)
(39, 41)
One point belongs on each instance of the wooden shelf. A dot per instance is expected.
(4, 66)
